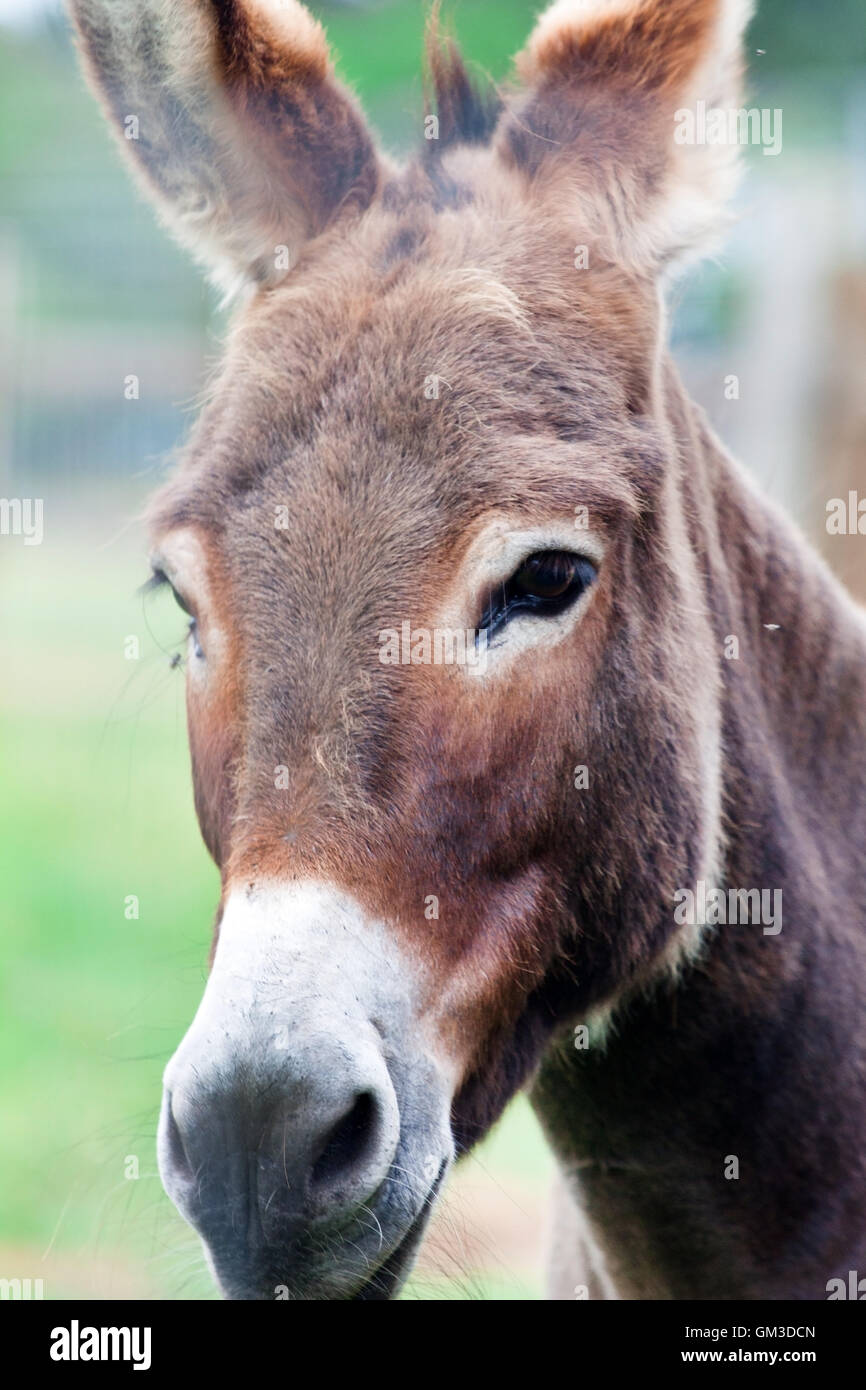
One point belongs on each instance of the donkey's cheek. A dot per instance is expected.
(213, 755)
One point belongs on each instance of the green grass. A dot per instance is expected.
(96, 805)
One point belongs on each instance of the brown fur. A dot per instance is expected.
(249, 143)
(555, 904)
(649, 47)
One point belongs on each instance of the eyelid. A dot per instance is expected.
(160, 580)
(182, 603)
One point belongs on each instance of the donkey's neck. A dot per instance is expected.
(793, 683)
(716, 1141)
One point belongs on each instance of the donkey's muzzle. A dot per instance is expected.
(267, 1169)
(304, 1127)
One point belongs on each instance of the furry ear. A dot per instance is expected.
(230, 111)
(608, 85)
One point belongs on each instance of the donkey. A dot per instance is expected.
(446, 400)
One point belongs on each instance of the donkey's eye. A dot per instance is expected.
(545, 584)
(547, 575)
(160, 580)
(182, 603)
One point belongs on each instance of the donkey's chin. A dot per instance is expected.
(368, 1260)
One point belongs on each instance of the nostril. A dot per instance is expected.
(348, 1144)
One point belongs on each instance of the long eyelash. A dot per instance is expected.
(157, 580)
(160, 580)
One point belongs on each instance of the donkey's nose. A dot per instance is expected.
(295, 1137)
(252, 1160)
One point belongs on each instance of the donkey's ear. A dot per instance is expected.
(230, 111)
(607, 120)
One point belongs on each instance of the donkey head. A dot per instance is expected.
(445, 407)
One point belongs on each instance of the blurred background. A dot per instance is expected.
(106, 894)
